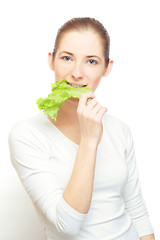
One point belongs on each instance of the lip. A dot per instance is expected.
(77, 84)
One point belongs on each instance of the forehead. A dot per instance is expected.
(84, 42)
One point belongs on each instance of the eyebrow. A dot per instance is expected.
(73, 54)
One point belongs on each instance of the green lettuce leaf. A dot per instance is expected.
(61, 91)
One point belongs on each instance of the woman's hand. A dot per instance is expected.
(90, 114)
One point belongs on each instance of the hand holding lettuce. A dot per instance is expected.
(61, 91)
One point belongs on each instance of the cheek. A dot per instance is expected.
(94, 73)
(62, 68)
(94, 81)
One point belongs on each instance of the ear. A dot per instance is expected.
(108, 68)
(51, 61)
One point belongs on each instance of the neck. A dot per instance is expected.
(69, 108)
(68, 112)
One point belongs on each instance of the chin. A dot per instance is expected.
(74, 99)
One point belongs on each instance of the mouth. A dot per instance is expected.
(76, 85)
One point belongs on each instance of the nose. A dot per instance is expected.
(77, 71)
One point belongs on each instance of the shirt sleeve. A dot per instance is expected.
(132, 195)
(29, 155)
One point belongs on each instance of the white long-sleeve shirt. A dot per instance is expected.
(44, 159)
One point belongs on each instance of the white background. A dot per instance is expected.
(130, 92)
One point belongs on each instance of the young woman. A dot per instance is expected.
(80, 170)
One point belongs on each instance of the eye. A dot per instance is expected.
(66, 58)
(93, 62)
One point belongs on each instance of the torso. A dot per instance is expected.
(71, 131)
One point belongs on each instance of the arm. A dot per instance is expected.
(78, 192)
(133, 198)
(148, 237)
(29, 153)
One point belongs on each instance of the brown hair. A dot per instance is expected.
(85, 23)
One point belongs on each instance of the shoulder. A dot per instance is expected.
(117, 129)
(25, 132)
(21, 127)
(113, 122)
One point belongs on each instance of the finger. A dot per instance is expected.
(91, 105)
(95, 107)
(100, 113)
(88, 95)
(83, 100)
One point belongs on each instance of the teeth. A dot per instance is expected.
(73, 85)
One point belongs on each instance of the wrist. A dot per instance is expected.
(88, 143)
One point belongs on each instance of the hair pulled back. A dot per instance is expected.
(81, 24)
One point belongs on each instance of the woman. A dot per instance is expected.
(80, 170)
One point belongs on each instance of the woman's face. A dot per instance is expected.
(79, 59)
